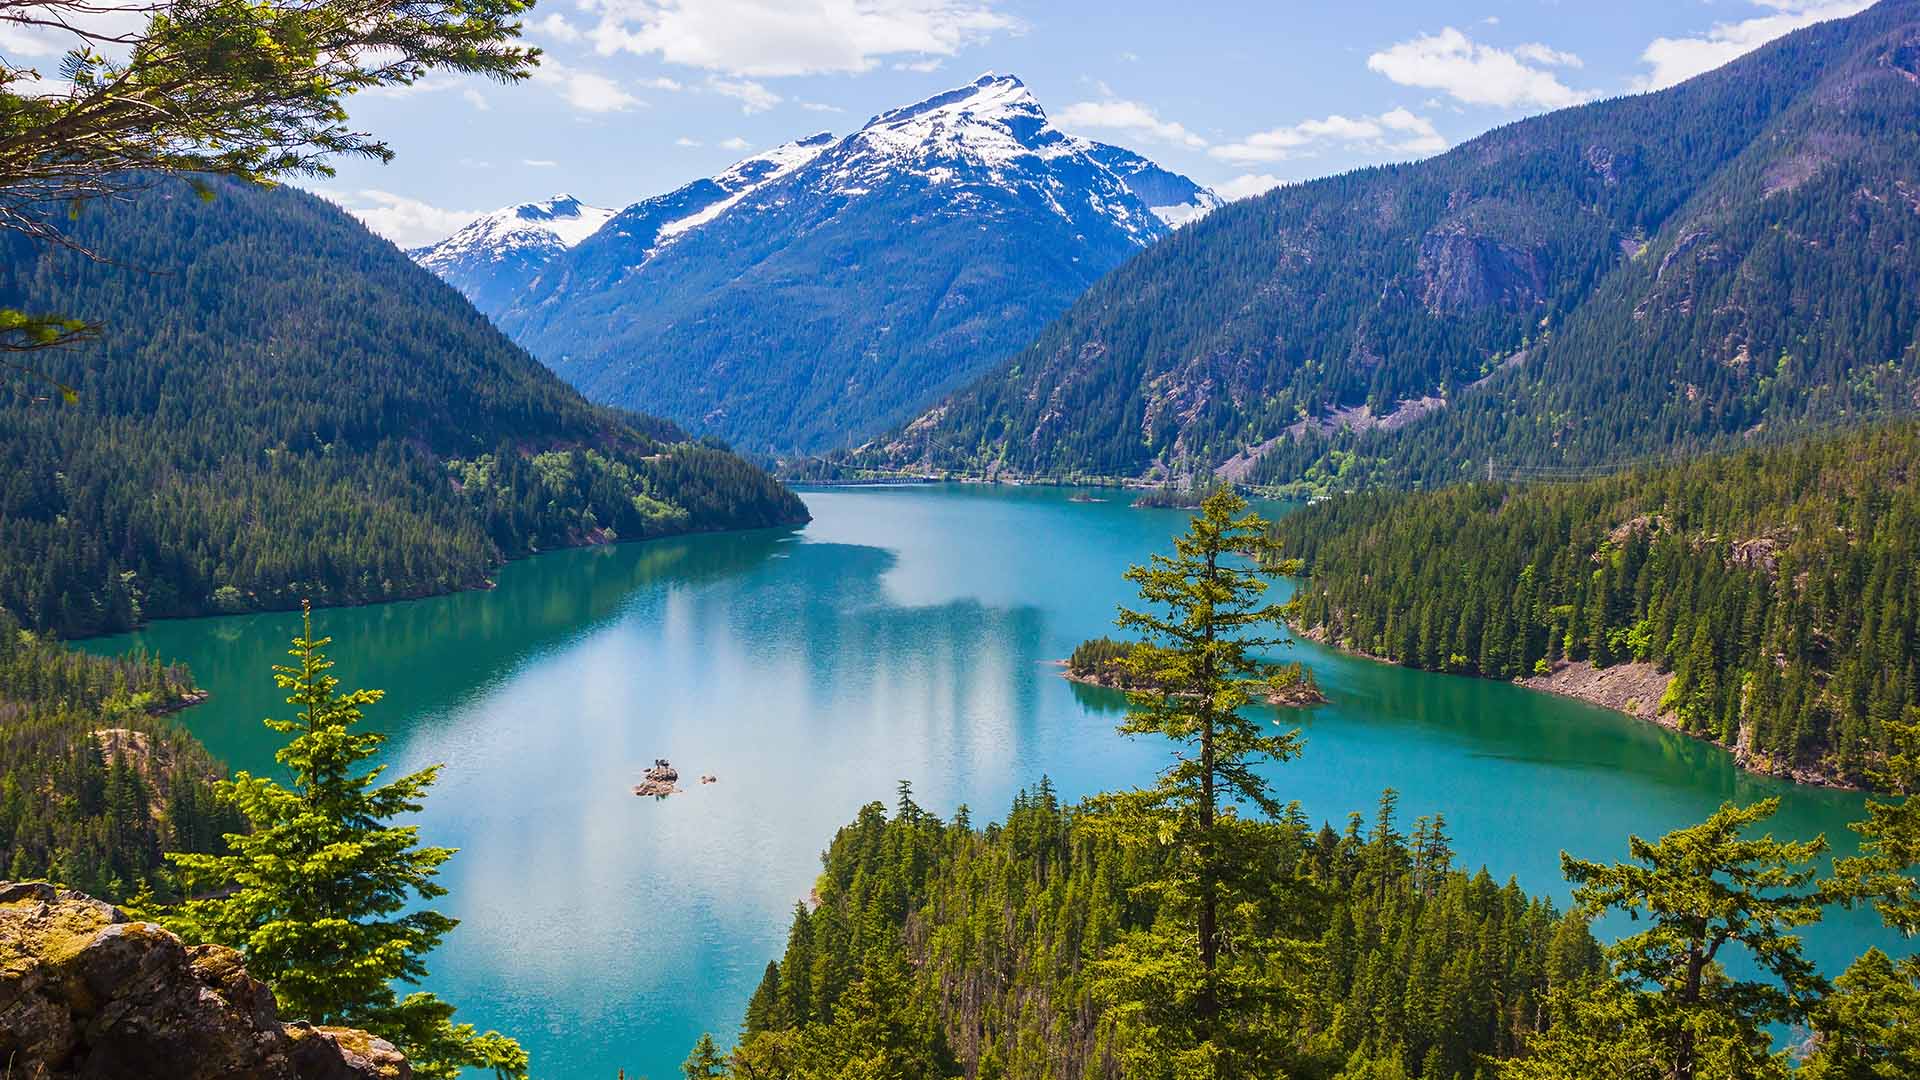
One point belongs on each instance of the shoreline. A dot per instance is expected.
(1113, 483)
(1299, 701)
(484, 585)
(1581, 681)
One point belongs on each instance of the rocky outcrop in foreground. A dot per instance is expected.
(86, 994)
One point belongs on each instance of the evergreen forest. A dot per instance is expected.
(278, 405)
(1779, 588)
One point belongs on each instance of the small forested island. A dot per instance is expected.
(1768, 601)
(1102, 661)
(1171, 497)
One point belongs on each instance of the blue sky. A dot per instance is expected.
(637, 97)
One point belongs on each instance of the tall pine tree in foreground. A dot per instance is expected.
(1195, 991)
(317, 893)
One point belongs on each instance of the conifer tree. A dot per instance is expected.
(321, 892)
(1870, 1026)
(1201, 628)
(1673, 1012)
(705, 1062)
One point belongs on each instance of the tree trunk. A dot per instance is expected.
(1209, 1004)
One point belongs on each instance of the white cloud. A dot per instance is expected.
(20, 40)
(1128, 117)
(1675, 60)
(555, 27)
(735, 143)
(1481, 74)
(765, 38)
(432, 84)
(106, 28)
(662, 83)
(1547, 55)
(821, 106)
(585, 90)
(1247, 185)
(1395, 132)
(476, 99)
(405, 221)
(752, 96)
(538, 163)
(685, 141)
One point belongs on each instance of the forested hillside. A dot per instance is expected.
(977, 951)
(1738, 252)
(281, 406)
(95, 783)
(1780, 588)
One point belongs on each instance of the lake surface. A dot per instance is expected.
(905, 633)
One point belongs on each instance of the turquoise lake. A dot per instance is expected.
(905, 634)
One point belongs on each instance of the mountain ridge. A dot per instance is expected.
(1501, 298)
(827, 287)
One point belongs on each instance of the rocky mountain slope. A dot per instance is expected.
(85, 993)
(494, 258)
(809, 296)
(1734, 255)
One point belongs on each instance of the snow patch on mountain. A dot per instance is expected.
(557, 223)
(742, 178)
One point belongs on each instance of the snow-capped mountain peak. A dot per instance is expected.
(567, 218)
(804, 296)
(992, 121)
(562, 220)
(993, 133)
(497, 254)
(984, 97)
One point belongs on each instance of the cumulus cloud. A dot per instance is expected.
(18, 40)
(735, 143)
(1675, 60)
(1128, 117)
(764, 38)
(406, 221)
(1475, 74)
(752, 96)
(686, 140)
(1394, 132)
(1247, 185)
(585, 90)
(555, 27)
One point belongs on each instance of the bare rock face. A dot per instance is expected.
(87, 995)
(1462, 272)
